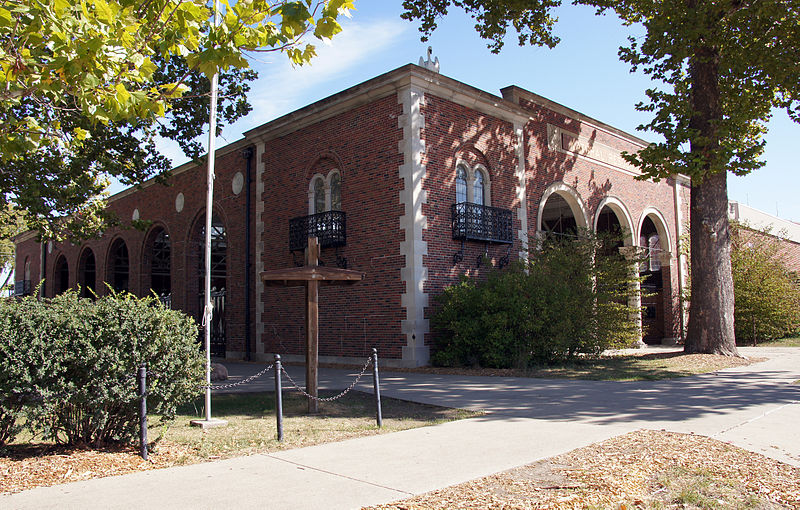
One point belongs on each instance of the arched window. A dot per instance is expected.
(461, 184)
(472, 184)
(219, 254)
(61, 275)
(160, 269)
(87, 273)
(478, 188)
(319, 195)
(325, 193)
(120, 266)
(27, 269)
(336, 191)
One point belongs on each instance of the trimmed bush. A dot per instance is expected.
(570, 299)
(73, 361)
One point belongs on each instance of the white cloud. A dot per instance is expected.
(282, 88)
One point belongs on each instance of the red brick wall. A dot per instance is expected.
(593, 182)
(362, 144)
(156, 203)
(453, 132)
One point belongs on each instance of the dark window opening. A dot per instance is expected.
(87, 274)
(120, 266)
(160, 270)
(62, 275)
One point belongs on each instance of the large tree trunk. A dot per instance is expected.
(711, 314)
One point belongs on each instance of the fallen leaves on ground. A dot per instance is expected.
(643, 469)
(24, 468)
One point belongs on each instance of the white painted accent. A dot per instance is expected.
(135, 215)
(682, 265)
(179, 201)
(573, 198)
(616, 205)
(412, 196)
(661, 227)
(50, 247)
(237, 183)
(258, 344)
(521, 191)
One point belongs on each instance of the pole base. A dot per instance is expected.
(209, 424)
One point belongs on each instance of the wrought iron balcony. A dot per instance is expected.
(482, 223)
(329, 227)
(22, 288)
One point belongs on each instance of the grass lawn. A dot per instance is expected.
(620, 367)
(781, 342)
(30, 462)
(252, 428)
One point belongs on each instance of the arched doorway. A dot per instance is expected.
(219, 271)
(119, 266)
(652, 274)
(561, 211)
(87, 273)
(61, 275)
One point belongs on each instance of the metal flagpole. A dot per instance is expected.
(208, 312)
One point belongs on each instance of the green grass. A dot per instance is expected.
(782, 342)
(699, 488)
(252, 425)
(628, 367)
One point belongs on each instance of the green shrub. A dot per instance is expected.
(73, 362)
(570, 299)
(767, 294)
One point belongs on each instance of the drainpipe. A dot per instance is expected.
(248, 155)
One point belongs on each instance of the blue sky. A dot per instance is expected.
(582, 72)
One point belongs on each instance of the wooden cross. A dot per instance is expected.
(312, 275)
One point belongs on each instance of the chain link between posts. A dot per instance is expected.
(238, 383)
(329, 399)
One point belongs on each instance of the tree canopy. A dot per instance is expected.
(719, 68)
(120, 72)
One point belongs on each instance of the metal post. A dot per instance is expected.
(143, 410)
(377, 385)
(278, 397)
(208, 313)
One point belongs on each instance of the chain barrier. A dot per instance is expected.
(238, 383)
(329, 399)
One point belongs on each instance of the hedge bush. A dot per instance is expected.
(71, 363)
(570, 299)
(767, 294)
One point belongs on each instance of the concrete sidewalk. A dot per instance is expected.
(755, 407)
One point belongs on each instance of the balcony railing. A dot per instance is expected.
(22, 288)
(329, 227)
(482, 223)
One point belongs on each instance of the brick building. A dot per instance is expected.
(412, 178)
